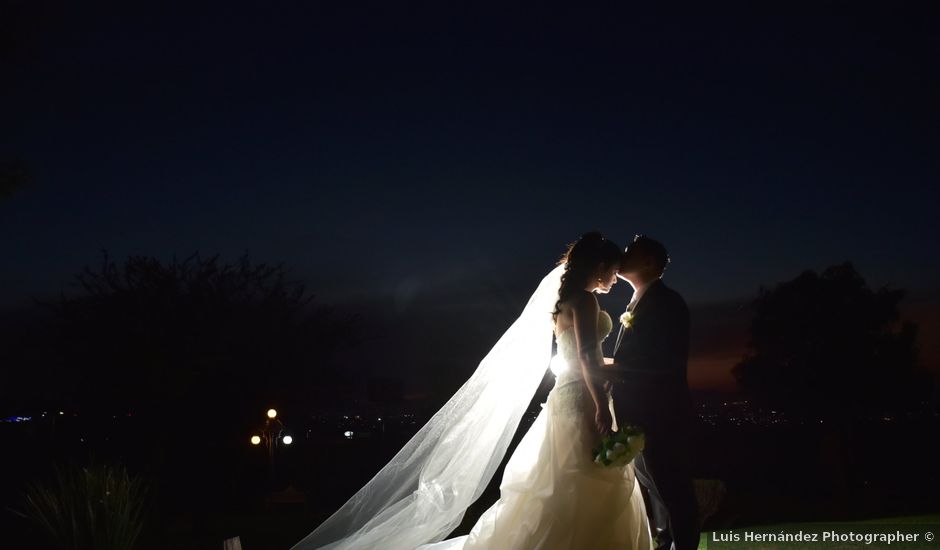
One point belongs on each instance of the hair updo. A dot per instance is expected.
(581, 260)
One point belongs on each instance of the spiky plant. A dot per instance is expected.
(96, 507)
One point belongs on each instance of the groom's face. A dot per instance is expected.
(629, 264)
(638, 267)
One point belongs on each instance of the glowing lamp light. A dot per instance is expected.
(348, 434)
(256, 440)
(558, 365)
(287, 440)
(272, 413)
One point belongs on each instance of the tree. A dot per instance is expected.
(827, 346)
(195, 350)
(194, 334)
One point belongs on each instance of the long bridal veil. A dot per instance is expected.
(422, 493)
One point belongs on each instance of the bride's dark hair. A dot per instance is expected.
(581, 259)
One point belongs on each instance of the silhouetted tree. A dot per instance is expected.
(194, 333)
(197, 350)
(826, 346)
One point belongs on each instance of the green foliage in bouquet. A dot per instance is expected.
(620, 448)
(98, 507)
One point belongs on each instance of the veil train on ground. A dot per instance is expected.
(421, 495)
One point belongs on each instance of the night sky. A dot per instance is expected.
(391, 151)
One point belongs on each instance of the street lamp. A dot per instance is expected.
(272, 433)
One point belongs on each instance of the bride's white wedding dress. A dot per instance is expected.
(552, 494)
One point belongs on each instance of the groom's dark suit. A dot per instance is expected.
(650, 390)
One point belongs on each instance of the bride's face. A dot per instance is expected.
(605, 277)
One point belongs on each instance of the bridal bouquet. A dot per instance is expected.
(620, 448)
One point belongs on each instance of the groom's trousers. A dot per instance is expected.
(665, 467)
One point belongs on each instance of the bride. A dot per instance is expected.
(552, 494)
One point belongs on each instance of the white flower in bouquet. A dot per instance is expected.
(620, 448)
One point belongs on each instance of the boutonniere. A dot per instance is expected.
(627, 319)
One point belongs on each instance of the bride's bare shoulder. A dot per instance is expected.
(581, 301)
(584, 302)
(581, 305)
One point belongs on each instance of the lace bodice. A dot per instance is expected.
(565, 364)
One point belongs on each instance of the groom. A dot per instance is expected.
(649, 389)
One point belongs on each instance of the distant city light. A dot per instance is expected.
(348, 434)
(287, 439)
(256, 440)
(272, 413)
